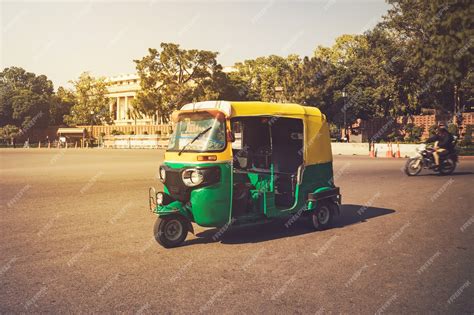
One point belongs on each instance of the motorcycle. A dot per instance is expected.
(425, 159)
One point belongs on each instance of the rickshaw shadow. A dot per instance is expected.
(353, 214)
(279, 228)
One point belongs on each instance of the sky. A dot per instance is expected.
(62, 39)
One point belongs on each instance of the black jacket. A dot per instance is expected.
(445, 142)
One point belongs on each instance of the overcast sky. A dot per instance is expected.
(62, 39)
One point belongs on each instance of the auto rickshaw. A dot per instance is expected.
(241, 163)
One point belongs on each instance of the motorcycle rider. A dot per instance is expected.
(443, 140)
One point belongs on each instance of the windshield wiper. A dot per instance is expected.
(194, 139)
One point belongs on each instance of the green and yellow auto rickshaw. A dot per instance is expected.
(240, 163)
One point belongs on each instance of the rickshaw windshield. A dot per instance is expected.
(198, 132)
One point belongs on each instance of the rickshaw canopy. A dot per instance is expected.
(317, 142)
(246, 109)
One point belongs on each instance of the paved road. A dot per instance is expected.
(76, 236)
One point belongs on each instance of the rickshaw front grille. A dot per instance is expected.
(175, 185)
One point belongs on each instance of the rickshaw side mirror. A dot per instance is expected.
(230, 136)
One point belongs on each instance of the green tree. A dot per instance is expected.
(413, 132)
(61, 104)
(8, 132)
(174, 76)
(24, 98)
(439, 35)
(91, 106)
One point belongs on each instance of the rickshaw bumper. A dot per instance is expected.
(330, 194)
(171, 207)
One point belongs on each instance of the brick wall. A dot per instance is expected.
(380, 127)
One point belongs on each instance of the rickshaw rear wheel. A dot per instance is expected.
(322, 216)
(170, 231)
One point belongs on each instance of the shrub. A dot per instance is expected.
(453, 129)
(116, 132)
(394, 136)
(413, 132)
(9, 131)
(467, 140)
(432, 129)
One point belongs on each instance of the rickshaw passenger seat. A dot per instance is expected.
(286, 162)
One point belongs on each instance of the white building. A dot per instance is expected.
(122, 90)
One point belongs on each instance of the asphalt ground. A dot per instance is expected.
(76, 236)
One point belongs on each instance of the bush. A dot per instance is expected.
(467, 140)
(453, 129)
(432, 130)
(116, 132)
(413, 132)
(9, 131)
(394, 136)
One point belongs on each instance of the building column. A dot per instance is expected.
(118, 108)
(126, 108)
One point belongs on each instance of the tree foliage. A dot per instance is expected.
(419, 56)
(24, 98)
(174, 76)
(61, 105)
(91, 106)
(439, 36)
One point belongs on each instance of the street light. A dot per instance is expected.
(344, 112)
(92, 126)
(344, 107)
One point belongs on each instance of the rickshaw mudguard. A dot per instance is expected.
(173, 208)
(317, 178)
(210, 206)
(322, 194)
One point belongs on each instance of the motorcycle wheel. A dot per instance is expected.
(447, 167)
(413, 166)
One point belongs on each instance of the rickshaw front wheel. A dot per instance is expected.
(322, 217)
(170, 231)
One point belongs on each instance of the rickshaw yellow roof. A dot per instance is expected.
(317, 142)
(236, 109)
(272, 109)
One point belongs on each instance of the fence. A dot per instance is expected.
(378, 128)
(368, 129)
(135, 142)
(106, 130)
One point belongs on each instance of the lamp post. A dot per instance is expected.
(92, 126)
(344, 113)
(344, 107)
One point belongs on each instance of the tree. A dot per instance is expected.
(413, 132)
(91, 106)
(61, 105)
(175, 76)
(439, 35)
(9, 132)
(25, 98)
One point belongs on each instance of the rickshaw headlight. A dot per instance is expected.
(159, 198)
(162, 174)
(192, 177)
